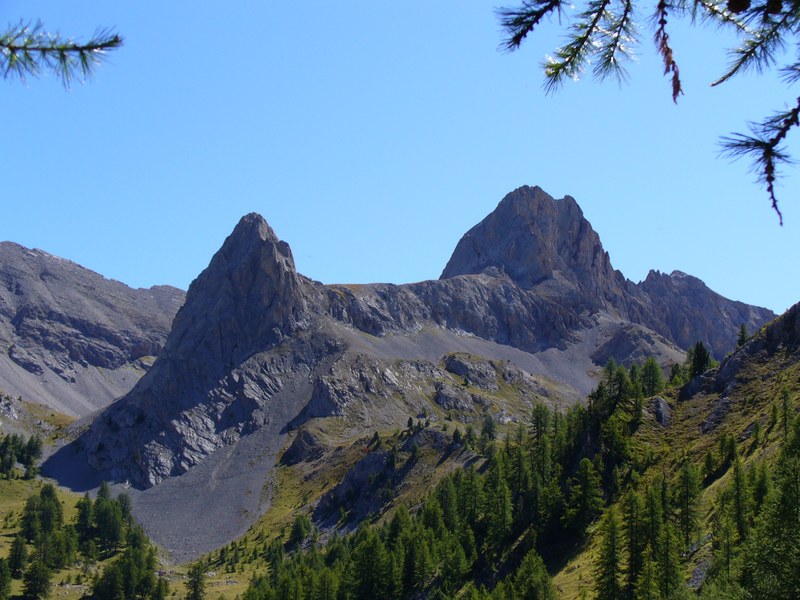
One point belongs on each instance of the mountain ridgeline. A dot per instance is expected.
(70, 338)
(257, 348)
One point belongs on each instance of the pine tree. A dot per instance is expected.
(634, 536)
(18, 556)
(196, 582)
(652, 377)
(531, 581)
(5, 579)
(701, 359)
(771, 555)
(586, 497)
(786, 412)
(688, 495)
(370, 568)
(740, 500)
(647, 587)
(37, 581)
(743, 336)
(670, 573)
(84, 519)
(608, 568)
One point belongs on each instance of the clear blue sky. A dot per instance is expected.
(372, 135)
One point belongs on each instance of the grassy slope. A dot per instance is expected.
(756, 389)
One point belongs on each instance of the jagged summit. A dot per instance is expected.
(533, 238)
(247, 298)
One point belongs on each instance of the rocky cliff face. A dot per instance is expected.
(70, 338)
(536, 240)
(204, 391)
(684, 309)
(547, 246)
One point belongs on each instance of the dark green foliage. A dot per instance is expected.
(531, 581)
(669, 568)
(5, 579)
(58, 545)
(196, 583)
(36, 582)
(687, 496)
(786, 412)
(608, 568)
(300, 529)
(17, 556)
(700, 359)
(13, 450)
(108, 523)
(652, 377)
(771, 557)
(634, 537)
(585, 501)
(646, 587)
(743, 336)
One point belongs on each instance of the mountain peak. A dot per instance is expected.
(532, 238)
(250, 291)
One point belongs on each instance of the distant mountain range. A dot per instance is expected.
(529, 300)
(257, 350)
(72, 339)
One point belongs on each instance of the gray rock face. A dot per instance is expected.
(685, 310)
(546, 246)
(535, 239)
(208, 386)
(71, 339)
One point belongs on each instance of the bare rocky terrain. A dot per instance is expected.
(72, 339)
(527, 310)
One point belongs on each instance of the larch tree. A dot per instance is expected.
(608, 568)
(29, 50)
(603, 35)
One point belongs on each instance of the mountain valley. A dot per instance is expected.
(273, 395)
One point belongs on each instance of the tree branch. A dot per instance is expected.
(27, 50)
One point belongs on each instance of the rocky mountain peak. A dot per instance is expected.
(248, 298)
(534, 239)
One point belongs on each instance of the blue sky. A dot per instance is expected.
(372, 136)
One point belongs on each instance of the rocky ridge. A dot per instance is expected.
(70, 338)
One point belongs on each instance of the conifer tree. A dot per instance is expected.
(670, 574)
(585, 498)
(37, 581)
(741, 340)
(647, 587)
(5, 579)
(531, 581)
(608, 568)
(196, 582)
(786, 410)
(740, 499)
(701, 359)
(652, 377)
(688, 495)
(771, 556)
(634, 537)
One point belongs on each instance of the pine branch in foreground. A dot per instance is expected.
(28, 50)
